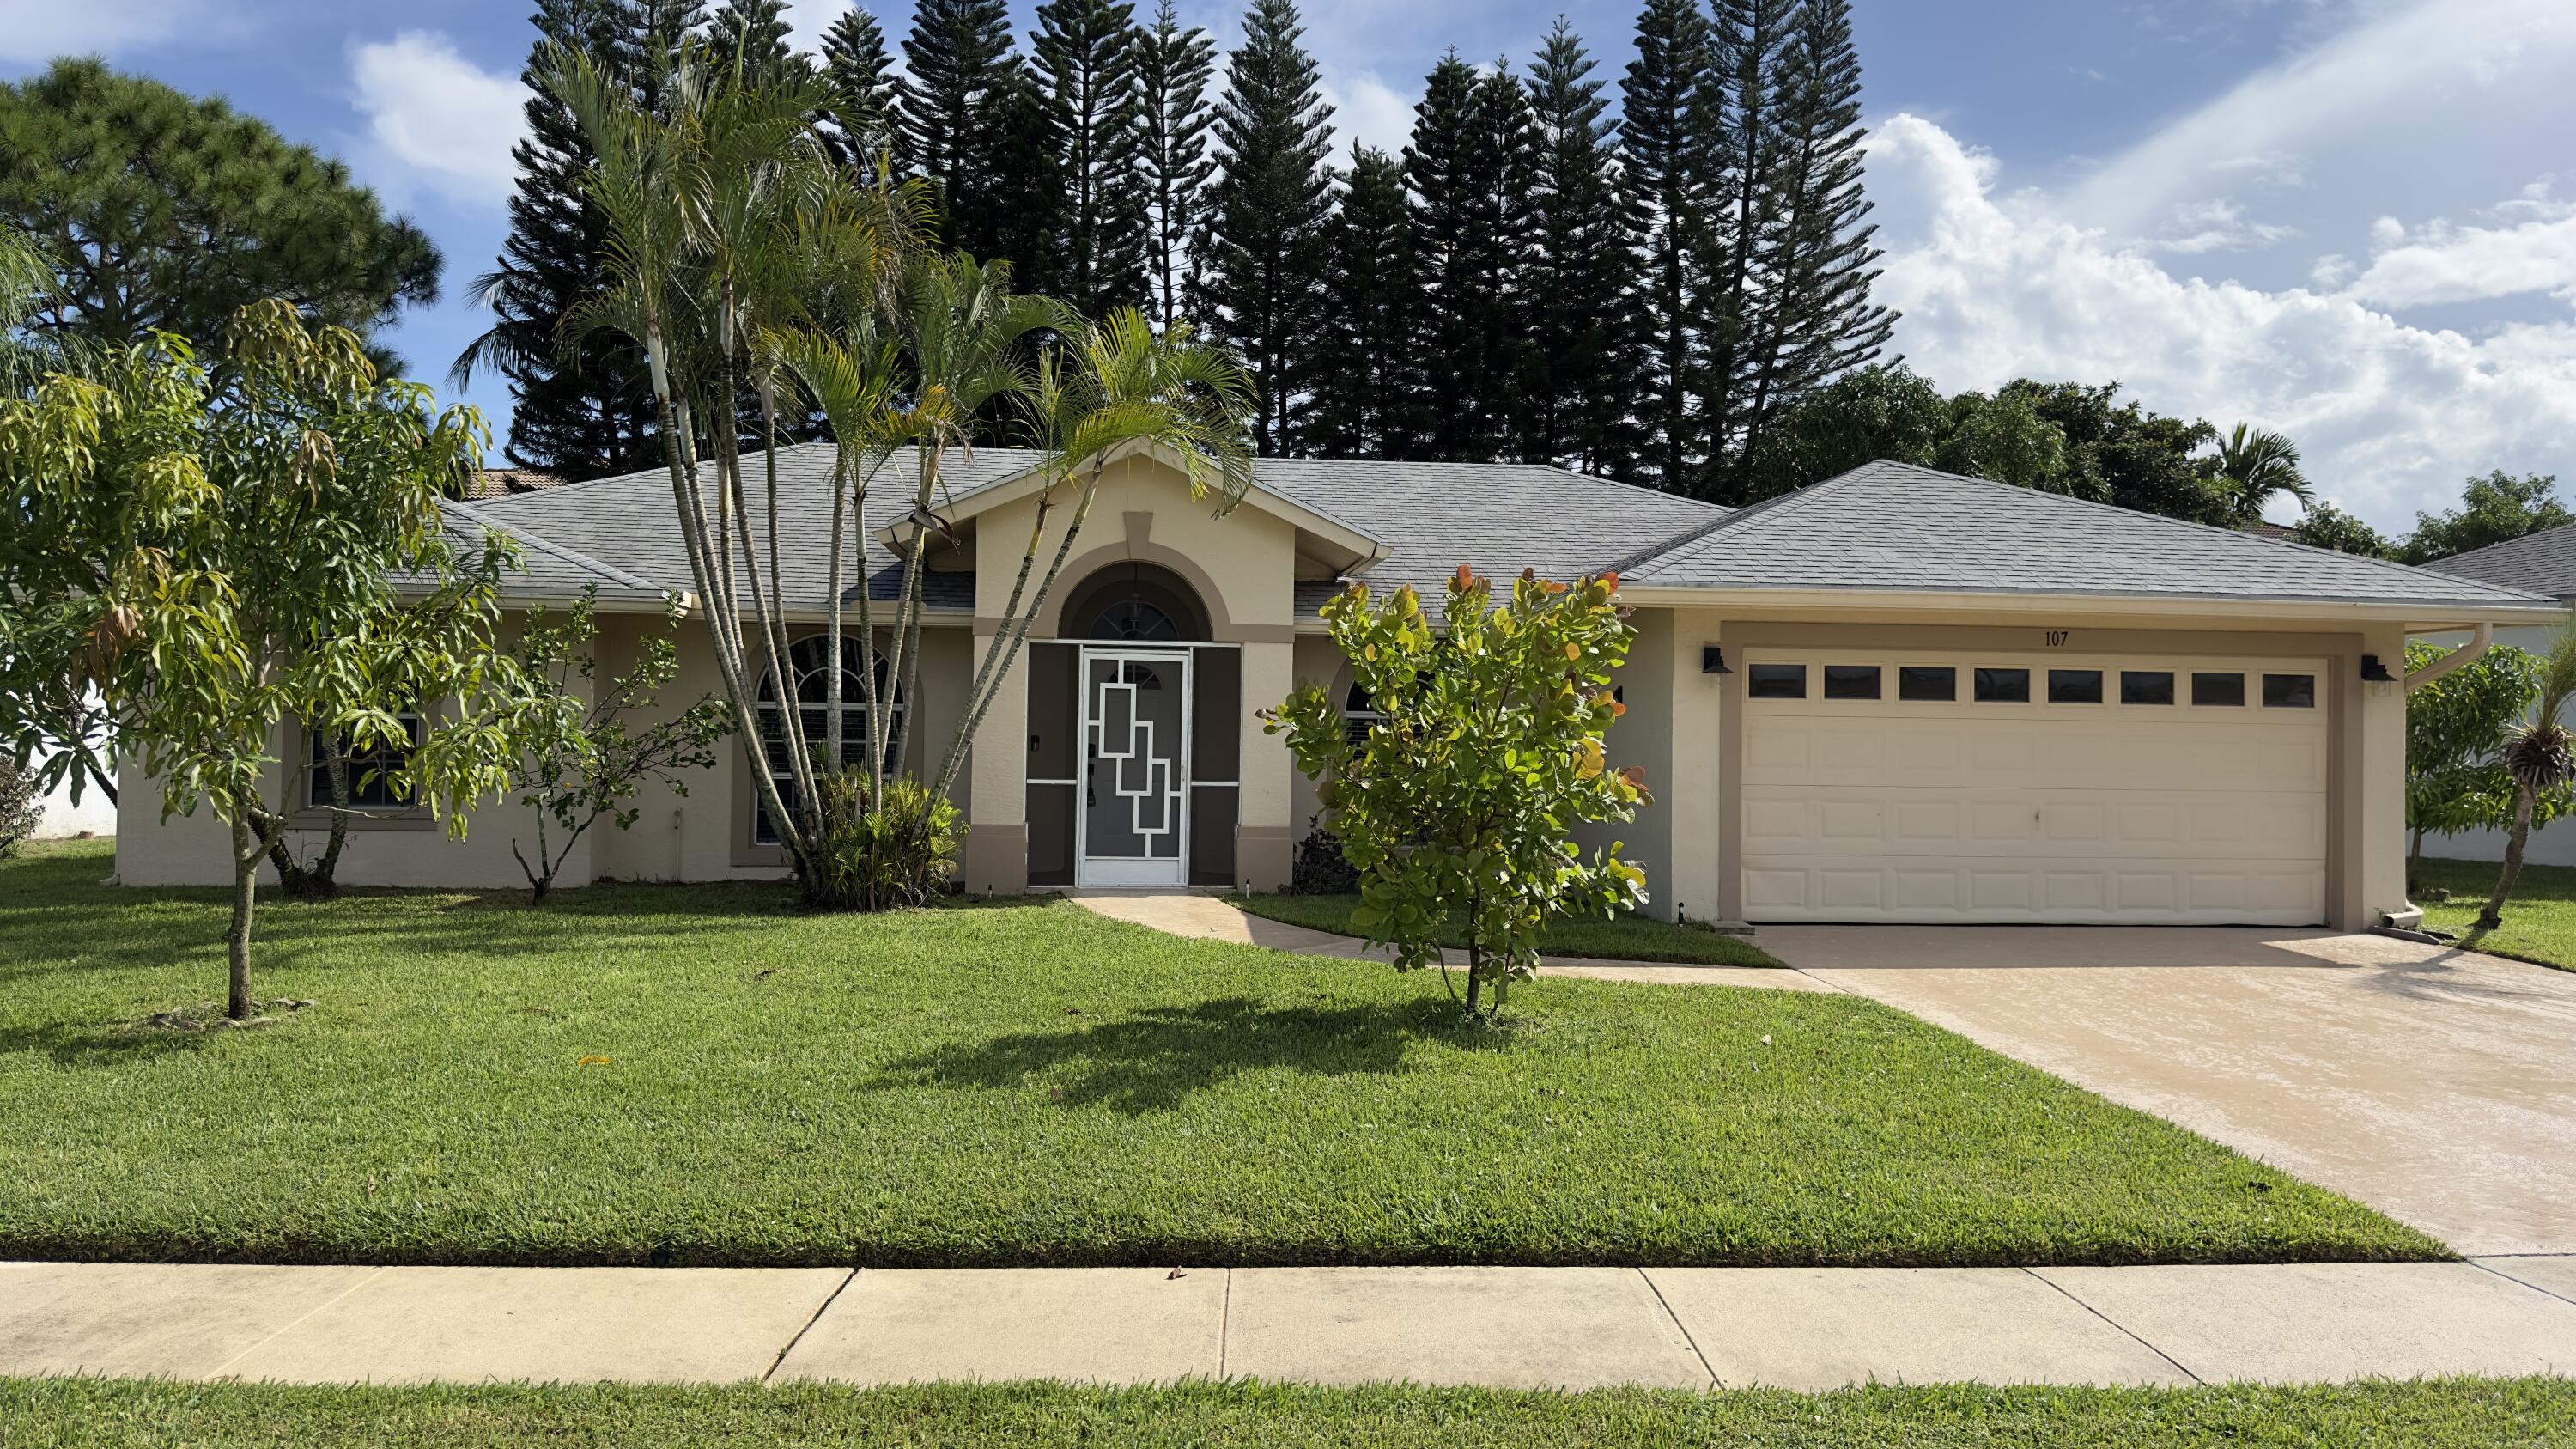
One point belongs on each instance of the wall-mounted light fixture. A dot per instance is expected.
(2374, 671)
(1712, 660)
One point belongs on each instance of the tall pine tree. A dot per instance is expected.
(1262, 249)
(1371, 394)
(753, 35)
(1747, 43)
(591, 415)
(1584, 353)
(967, 108)
(861, 125)
(649, 36)
(1172, 67)
(1811, 317)
(1086, 70)
(1469, 167)
(1669, 136)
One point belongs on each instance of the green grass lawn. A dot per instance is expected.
(2434, 1413)
(1629, 938)
(702, 1075)
(2539, 922)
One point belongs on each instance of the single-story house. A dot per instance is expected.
(1897, 695)
(2537, 563)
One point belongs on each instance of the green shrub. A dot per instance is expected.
(878, 855)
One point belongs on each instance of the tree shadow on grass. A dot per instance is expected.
(92, 1045)
(1153, 1060)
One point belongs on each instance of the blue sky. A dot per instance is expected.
(2351, 219)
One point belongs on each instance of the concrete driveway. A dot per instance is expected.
(2436, 1085)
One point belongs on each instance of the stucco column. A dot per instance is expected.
(996, 857)
(1264, 832)
(2376, 823)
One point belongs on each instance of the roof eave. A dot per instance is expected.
(2414, 613)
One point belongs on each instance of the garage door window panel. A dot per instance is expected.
(2146, 686)
(1776, 681)
(2289, 691)
(1927, 683)
(2075, 686)
(2003, 686)
(1852, 681)
(2219, 691)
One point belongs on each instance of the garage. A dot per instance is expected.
(2052, 787)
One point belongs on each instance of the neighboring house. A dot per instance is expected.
(2536, 563)
(1897, 695)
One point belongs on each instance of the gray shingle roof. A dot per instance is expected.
(1496, 518)
(1429, 517)
(1893, 526)
(630, 520)
(2537, 563)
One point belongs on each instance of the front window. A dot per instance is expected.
(371, 770)
(809, 660)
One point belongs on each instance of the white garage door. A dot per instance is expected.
(2053, 787)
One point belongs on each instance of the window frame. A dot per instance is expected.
(766, 704)
(2237, 675)
(1949, 674)
(2308, 687)
(1753, 673)
(2101, 692)
(2172, 688)
(1877, 683)
(317, 774)
(1976, 682)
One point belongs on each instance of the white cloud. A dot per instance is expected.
(39, 30)
(2218, 225)
(2425, 64)
(436, 120)
(1366, 112)
(808, 19)
(2446, 263)
(2390, 417)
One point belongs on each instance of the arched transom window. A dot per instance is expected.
(809, 660)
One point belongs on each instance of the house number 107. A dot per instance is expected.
(2056, 638)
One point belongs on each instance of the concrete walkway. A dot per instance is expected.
(1690, 1328)
(1206, 918)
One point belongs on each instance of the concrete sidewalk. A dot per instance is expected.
(1691, 1328)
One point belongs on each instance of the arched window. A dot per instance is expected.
(1133, 618)
(809, 660)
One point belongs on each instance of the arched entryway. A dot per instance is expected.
(1133, 736)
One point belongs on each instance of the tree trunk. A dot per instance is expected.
(246, 853)
(1475, 973)
(2493, 915)
(2415, 862)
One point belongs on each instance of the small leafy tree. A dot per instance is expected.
(580, 765)
(219, 555)
(2541, 755)
(1455, 806)
(2456, 727)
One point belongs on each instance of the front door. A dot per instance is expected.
(1134, 822)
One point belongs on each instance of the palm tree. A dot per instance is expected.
(2254, 466)
(706, 203)
(2541, 756)
(1109, 389)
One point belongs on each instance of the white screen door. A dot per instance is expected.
(1134, 823)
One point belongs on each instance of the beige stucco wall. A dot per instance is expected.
(1242, 566)
(696, 836)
